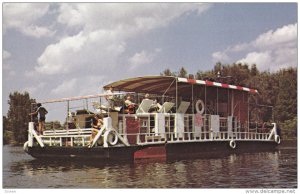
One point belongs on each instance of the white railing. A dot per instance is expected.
(67, 132)
(80, 137)
(154, 138)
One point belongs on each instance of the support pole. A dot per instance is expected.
(30, 136)
(176, 93)
(67, 120)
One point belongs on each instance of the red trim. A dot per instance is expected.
(252, 91)
(151, 152)
(225, 85)
(209, 83)
(239, 87)
(191, 81)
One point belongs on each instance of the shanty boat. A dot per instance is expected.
(193, 118)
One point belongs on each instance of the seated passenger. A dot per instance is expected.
(147, 96)
(155, 106)
(129, 105)
(97, 125)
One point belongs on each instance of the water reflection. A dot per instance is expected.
(250, 170)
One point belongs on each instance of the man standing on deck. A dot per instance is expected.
(41, 112)
(109, 97)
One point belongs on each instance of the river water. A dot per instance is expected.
(276, 169)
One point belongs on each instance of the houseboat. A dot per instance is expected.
(168, 117)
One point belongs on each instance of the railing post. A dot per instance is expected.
(72, 143)
(30, 136)
(138, 139)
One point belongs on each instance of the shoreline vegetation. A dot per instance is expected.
(276, 89)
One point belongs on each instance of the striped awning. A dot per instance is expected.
(166, 84)
(146, 84)
(216, 84)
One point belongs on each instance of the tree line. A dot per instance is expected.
(277, 92)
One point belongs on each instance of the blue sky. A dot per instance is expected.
(70, 49)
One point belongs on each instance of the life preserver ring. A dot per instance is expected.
(25, 146)
(112, 138)
(232, 144)
(202, 106)
(277, 139)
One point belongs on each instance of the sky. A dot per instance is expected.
(54, 50)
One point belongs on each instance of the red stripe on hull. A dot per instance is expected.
(151, 152)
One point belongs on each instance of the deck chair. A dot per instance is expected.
(144, 106)
(166, 107)
(183, 107)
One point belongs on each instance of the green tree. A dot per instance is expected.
(167, 72)
(205, 75)
(182, 72)
(254, 71)
(7, 132)
(286, 94)
(53, 125)
(18, 115)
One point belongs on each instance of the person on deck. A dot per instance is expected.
(41, 113)
(97, 125)
(129, 105)
(147, 96)
(155, 106)
(110, 97)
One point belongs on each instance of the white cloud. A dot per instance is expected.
(142, 58)
(6, 55)
(33, 90)
(94, 83)
(6, 67)
(68, 86)
(37, 31)
(263, 59)
(286, 36)
(104, 31)
(70, 15)
(24, 17)
(220, 56)
(272, 50)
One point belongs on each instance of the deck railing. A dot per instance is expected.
(152, 138)
(81, 137)
(71, 137)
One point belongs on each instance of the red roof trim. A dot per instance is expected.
(209, 83)
(239, 87)
(191, 81)
(225, 85)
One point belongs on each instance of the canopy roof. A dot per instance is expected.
(166, 85)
